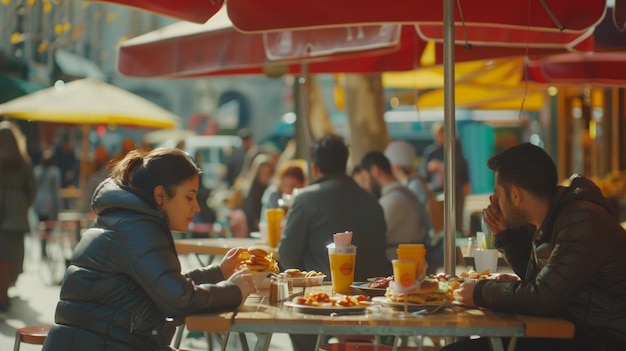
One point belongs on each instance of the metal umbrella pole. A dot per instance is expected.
(449, 226)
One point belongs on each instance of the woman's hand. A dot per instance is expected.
(231, 261)
(244, 280)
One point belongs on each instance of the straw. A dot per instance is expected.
(342, 239)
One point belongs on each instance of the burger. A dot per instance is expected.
(429, 291)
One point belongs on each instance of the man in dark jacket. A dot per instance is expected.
(333, 203)
(566, 245)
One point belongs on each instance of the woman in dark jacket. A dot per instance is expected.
(124, 289)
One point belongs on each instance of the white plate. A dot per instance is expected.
(365, 289)
(411, 307)
(325, 309)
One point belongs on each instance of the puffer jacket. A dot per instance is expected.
(573, 266)
(124, 289)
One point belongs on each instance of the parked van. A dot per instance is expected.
(213, 152)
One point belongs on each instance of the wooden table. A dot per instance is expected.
(216, 246)
(259, 317)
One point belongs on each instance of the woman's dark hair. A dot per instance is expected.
(330, 154)
(527, 166)
(141, 172)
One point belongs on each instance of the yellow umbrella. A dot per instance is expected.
(88, 102)
(487, 84)
(487, 98)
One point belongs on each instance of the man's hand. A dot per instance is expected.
(493, 216)
(465, 294)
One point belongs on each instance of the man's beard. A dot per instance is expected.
(515, 218)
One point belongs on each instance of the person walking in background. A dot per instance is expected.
(333, 203)
(259, 178)
(433, 170)
(241, 157)
(47, 204)
(406, 218)
(402, 157)
(65, 159)
(124, 289)
(17, 193)
(567, 246)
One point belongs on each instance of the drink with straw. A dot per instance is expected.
(342, 267)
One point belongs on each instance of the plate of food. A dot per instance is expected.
(430, 294)
(399, 305)
(365, 288)
(323, 304)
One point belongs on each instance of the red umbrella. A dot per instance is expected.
(556, 15)
(605, 68)
(217, 48)
(606, 65)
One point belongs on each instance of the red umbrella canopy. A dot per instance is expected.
(556, 15)
(605, 68)
(217, 48)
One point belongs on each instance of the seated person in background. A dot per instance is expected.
(124, 289)
(291, 176)
(402, 157)
(261, 173)
(406, 218)
(362, 178)
(333, 203)
(202, 224)
(433, 170)
(566, 245)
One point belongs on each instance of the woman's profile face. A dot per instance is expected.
(181, 208)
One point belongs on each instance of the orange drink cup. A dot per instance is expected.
(404, 272)
(342, 260)
(274, 225)
(415, 252)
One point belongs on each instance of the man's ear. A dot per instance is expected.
(516, 195)
(159, 194)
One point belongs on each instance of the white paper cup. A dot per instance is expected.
(486, 259)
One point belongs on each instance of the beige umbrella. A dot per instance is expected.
(88, 102)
